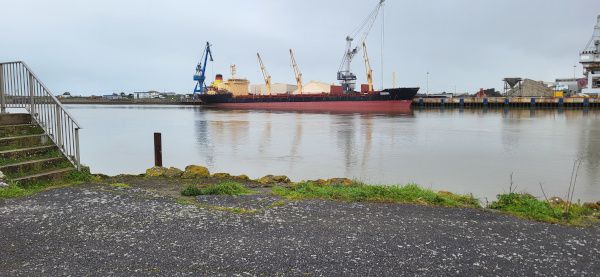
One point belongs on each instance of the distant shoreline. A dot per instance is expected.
(68, 101)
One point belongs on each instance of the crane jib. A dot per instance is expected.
(345, 75)
(200, 75)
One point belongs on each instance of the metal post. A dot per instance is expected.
(77, 156)
(31, 95)
(59, 139)
(158, 149)
(2, 97)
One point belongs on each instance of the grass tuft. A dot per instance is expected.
(223, 188)
(529, 207)
(359, 192)
(120, 185)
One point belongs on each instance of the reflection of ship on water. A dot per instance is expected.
(344, 133)
(203, 140)
(211, 132)
(296, 141)
(367, 131)
(265, 140)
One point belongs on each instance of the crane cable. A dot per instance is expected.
(368, 22)
(382, 42)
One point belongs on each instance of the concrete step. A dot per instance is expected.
(20, 142)
(20, 130)
(15, 118)
(46, 175)
(18, 170)
(31, 153)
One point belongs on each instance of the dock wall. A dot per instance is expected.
(508, 102)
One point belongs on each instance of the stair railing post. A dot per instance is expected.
(77, 156)
(31, 95)
(2, 97)
(59, 138)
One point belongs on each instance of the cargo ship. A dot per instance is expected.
(234, 94)
(387, 101)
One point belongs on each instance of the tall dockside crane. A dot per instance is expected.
(200, 75)
(265, 74)
(345, 75)
(297, 72)
(368, 67)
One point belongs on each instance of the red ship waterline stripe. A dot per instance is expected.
(389, 106)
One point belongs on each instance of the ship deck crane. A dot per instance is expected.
(265, 73)
(200, 75)
(368, 67)
(345, 75)
(297, 72)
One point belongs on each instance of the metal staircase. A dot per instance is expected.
(39, 139)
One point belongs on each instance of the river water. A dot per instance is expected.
(463, 151)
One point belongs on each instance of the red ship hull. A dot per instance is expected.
(393, 106)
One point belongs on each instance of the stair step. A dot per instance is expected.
(33, 153)
(14, 119)
(13, 171)
(47, 175)
(20, 130)
(46, 147)
(20, 142)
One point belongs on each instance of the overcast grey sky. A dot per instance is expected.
(99, 47)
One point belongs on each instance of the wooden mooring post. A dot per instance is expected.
(158, 149)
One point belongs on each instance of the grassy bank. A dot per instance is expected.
(358, 192)
(529, 207)
(520, 205)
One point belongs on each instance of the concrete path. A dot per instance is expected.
(95, 231)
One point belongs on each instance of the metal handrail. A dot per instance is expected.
(21, 88)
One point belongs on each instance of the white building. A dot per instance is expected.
(277, 88)
(146, 94)
(315, 87)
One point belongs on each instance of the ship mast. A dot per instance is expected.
(345, 75)
(265, 73)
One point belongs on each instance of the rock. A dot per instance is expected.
(173, 172)
(221, 175)
(592, 206)
(3, 184)
(271, 179)
(243, 177)
(556, 200)
(156, 171)
(2, 176)
(340, 181)
(195, 171)
(282, 179)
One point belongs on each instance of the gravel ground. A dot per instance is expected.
(105, 231)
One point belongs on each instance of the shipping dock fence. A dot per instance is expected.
(507, 102)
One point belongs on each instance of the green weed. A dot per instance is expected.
(223, 188)
(358, 192)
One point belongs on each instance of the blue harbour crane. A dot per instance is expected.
(200, 75)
